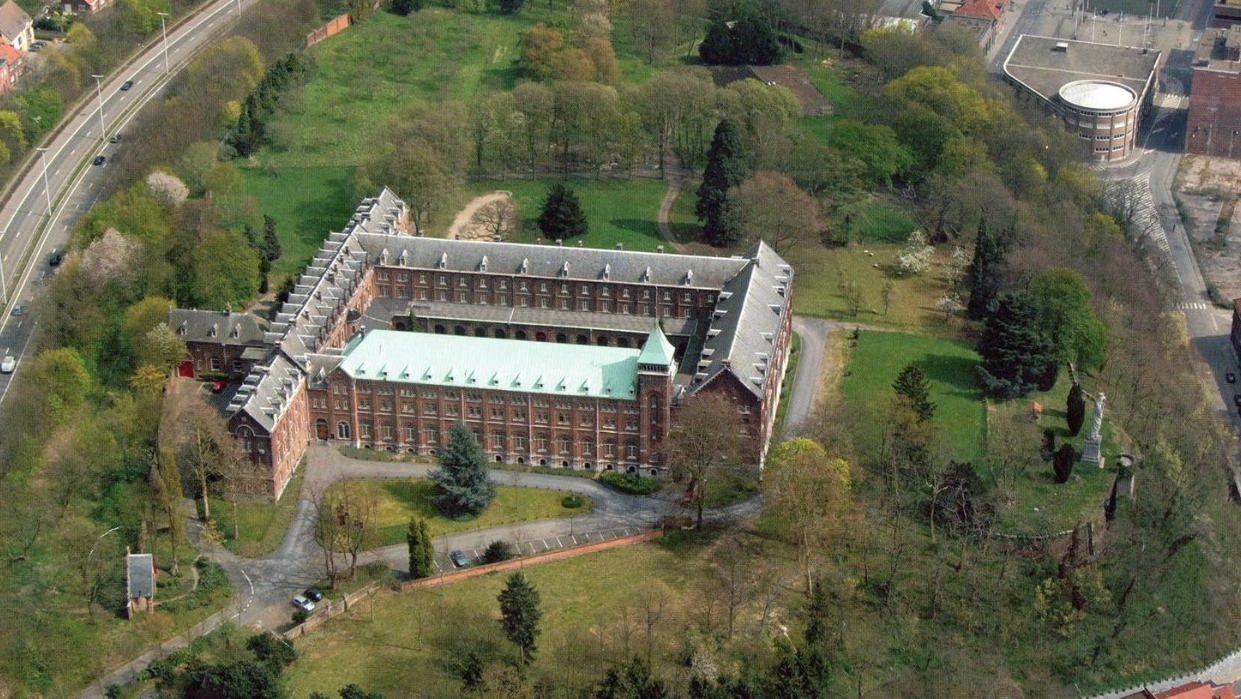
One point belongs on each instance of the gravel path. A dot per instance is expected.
(463, 227)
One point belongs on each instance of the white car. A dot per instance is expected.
(8, 364)
(304, 604)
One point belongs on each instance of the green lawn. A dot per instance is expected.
(425, 634)
(307, 203)
(260, 527)
(617, 210)
(398, 499)
(879, 356)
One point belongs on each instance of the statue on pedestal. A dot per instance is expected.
(1090, 450)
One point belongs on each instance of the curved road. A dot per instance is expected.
(34, 218)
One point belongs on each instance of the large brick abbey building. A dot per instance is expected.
(555, 356)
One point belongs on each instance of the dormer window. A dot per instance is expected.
(215, 330)
(525, 266)
(183, 328)
(443, 263)
(482, 266)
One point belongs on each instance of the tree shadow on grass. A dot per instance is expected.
(643, 227)
(319, 215)
(959, 373)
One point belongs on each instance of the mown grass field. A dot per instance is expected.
(307, 203)
(621, 211)
(878, 357)
(399, 499)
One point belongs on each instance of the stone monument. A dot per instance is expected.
(1090, 450)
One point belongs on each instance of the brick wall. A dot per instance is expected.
(332, 28)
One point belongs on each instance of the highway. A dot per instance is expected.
(61, 183)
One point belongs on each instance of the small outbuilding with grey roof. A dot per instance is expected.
(1102, 91)
(139, 583)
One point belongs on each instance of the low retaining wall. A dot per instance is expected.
(319, 618)
(332, 28)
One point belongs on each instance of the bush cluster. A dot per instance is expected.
(630, 483)
(288, 71)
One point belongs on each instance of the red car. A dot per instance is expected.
(218, 386)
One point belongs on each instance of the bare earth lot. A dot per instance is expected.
(1208, 189)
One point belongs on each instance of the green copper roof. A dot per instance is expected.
(505, 365)
(656, 350)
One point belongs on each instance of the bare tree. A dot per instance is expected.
(733, 578)
(201, 442)
(808, 496)
(706, 437)
(499, 217)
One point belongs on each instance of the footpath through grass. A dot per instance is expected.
(398, 499)
(878, 357)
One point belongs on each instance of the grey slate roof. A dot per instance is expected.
(141, 577)
(551, 261)
(217, 326)
(746, 321)
(13, 20)
(517, 315)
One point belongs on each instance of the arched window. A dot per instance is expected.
(246, 435)
(500, 334)
(342, 430)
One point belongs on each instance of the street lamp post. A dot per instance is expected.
(103, 134)
(164, 31)
(47, 189)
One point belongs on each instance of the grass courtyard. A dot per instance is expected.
(399, 499)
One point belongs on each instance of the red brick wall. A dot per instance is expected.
(332, 28)
(1214, 120)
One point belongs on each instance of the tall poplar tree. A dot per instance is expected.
(726, 168)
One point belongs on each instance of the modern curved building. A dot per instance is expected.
(1104, 113)
(1101, 90)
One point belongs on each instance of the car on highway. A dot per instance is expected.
(125, 86)
(100, 160)
(19, 310)
(1236, 399)
(1230, 377)
(115, 138)
(8, 364)
(313, 595)
(55, 257)
(459, 558)
(303, 604)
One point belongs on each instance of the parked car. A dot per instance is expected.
(38, 45)
(1230, 377)
(459, 558)
(126, 85)
(55, 257)
(8, 364)
(100, 160)
(303, 604)
(219, 386)
(313, 595)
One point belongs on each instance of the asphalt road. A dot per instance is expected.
(35, 218)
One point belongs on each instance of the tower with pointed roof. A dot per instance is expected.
(656, 367)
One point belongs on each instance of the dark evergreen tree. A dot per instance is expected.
(353, 691)
(461, 485)
(1075, 412)
(913, 386)
(472, 673)
(239, 679)
(562, 216)
(406, 7)
(269, 246)
(726, 168)
(421, 548)
(1048, 447)
(1066, 457)
(498, 551)
(271, 650)
(510, 7)
(1016, 356)
(631, 681)
(986, 270)
(748, 40)
(520, 612)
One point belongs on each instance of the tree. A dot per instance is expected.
(987, 268)
(1066, 456)
(406, 7)
(726, 168)
(201, 442)
(769, 206)
(749, 40)
(498, 551)
(875, 145)
(461, 485)
(225, 271)
(913, 386)
(271, 650)
(239, 679)
(419, 171)
(915, 257)
(539, 46)
(269, 246)
(520, 612)
(633, 680)
(808, 497)
(421, 549)
(169, 493)
(1075, 409)
(562, 216)
(510, 7)
(706, 437)
(1067, 317)
(1016, 356)
(499, 217)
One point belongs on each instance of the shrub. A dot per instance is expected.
(572, 502)
(499, 551)
(300, 616)
(630, 483)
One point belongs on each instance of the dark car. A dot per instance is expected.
(56, 257)
(116, 138)
(100, 160)
(1230, 377)
(1236, 399)
(19, 310)
(313, 595)
(126, 85)
(459, 558)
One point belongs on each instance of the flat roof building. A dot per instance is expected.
(1102, 91)
(1214, 121)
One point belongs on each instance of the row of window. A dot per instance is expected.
(380, 393)
(497, 441)
(501, 284)
(542, 302)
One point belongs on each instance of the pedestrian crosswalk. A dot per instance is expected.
(1145, 213)
(1193, 306)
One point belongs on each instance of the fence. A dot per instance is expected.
(332, 28)
(332, 609)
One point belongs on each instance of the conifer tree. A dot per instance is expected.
(1075, 412)
(520, 611)
(461, 485)
(1016, 356)
(421, 548)
(562, 216)
(726, 168)
(913, 386)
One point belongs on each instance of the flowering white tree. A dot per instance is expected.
(949, 304)
(915, 257)
(167, 187)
